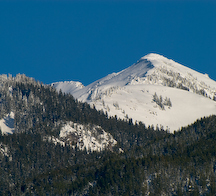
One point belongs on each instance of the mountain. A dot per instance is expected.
(156, 91)
(52, 144)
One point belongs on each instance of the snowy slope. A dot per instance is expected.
(68, 86)
(136, 102)
(91, 138)
(129, 93)
(7, 124)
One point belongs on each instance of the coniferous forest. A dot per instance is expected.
(151, 161)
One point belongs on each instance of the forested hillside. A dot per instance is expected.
(145, 160)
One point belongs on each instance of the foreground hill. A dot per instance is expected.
(155, 90)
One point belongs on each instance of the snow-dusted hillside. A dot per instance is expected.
(130, 93)
(89, 137)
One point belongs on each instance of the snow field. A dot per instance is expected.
(136, 102)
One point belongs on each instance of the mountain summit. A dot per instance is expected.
(156, 91)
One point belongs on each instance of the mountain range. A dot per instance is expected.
(142, 91)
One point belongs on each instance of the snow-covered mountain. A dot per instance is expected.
(155, 90)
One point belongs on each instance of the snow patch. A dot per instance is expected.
(7, 124)
(89, 137)
(68, 86)
(5, 151)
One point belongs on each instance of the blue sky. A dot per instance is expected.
(84, 41)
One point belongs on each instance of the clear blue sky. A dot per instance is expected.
(84, 41)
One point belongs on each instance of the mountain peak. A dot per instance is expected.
(153, 55)
(129, 93)
(160, 60)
